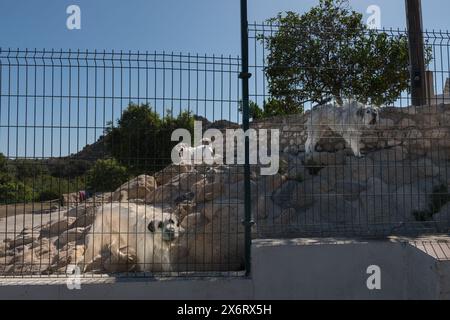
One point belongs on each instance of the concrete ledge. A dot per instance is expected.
(282, 269)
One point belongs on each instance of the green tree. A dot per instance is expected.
(11, 190)
(106, 175)
(329, 53)
(142, 139)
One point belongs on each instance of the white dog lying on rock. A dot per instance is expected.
(349, 121)
(130, 237)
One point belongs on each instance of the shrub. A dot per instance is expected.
(106, 175)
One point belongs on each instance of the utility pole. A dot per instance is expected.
(416, 51)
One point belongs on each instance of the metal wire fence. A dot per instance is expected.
(88, 183)
(87, 179)
(371, 172)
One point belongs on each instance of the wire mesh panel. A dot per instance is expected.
(88, 180)
(357, 159)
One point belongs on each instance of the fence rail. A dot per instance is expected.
(87, 180)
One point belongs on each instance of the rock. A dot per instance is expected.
(137, 188)
(329, 159)
(23, 239)
(349, 190)
(184, 209)
(70, 254)
(332, 215)
(166, 194)
(406, 123)
(193, 221)
(297, 195)
(218, 246)
(298, 172)
(70, 236)
(265, 207)
(25, 263)
(206, 191)
(356, 170)
(185, 181)
(86, 219)
(237, 190)
(377, 205)
(229, 174)
(3, 249)
(71, 199)
(410, 199)
(164, 176)
(287, 217)
(425, 168)
(56, 227)
(442, 218)
(394, 154)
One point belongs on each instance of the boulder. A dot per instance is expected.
(332, 215)
(329, 158)
(25, 263)
(185, 181)
(164, 176)
(56, 227)
(71, 235)
(300, 195)
(349, 190)
(184, 209)
(23, 239)
(137, 188)
(166, 195)
(265, 207)
(412, 198)
(442, 218)
(356, 170)
(298, 172)
(3, 250)
(207, 191)
(218, 246)
(377, 205)
(193, 221)
(395, 154)
(86, 218)
(70, 254)
(237, 190)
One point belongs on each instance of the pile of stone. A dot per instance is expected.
(399, 186)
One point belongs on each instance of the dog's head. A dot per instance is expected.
(369, 115)
(167, 227)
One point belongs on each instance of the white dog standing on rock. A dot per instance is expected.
(133, 236)
(203, 153)
(349, 121)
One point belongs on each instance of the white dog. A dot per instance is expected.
(349, 121)
(203, 153)
(132, 235)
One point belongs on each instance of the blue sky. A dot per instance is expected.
(188, 26)
(196, 26)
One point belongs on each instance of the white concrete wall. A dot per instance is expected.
(282, 269)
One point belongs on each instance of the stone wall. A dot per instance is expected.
(421, 130)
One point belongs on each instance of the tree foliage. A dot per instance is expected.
(106, 175)
(142, 138)
(329, 53)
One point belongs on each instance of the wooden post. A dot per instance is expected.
(416, 51)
